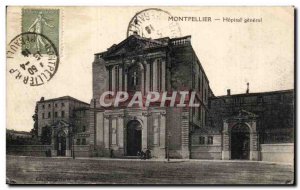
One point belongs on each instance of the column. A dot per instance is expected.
(162, 130)
(225, 143)
(113, 78)
(147, 78)
(114, 131)
(53, 140)
(254, 150)
(125, 82)
(99, 128)
(163, 75)
(106, 131)
(154, 74)
(121, 132)
(68, 148)
(120, 78)
(144, 134)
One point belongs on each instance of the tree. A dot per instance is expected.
(46, 135)
(34, 130)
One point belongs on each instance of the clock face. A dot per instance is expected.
(153, 23)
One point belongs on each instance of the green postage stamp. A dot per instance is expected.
(43, 22)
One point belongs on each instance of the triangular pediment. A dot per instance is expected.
(133, 44)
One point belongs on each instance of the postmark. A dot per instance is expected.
(33, 55)
(153, 23)
(29, 64)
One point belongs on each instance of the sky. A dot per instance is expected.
(231, 54)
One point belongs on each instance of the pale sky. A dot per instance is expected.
(231, 54)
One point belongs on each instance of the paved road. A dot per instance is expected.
(31, 170)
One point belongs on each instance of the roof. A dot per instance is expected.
(62, 98)
(256, 94)
(147, 43)
(18, 132)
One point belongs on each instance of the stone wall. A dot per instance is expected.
(82, 151)
(206, 151)
(278, 152)
(27, 150)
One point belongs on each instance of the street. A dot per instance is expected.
(35, 170)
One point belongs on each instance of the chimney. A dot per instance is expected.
(228, 92)
(247, 91)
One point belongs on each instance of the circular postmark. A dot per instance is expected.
(32, 58)
(153, 23)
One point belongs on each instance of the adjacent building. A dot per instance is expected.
(64, 115)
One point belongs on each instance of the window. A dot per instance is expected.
(49, 105)
(43, 115)
(201, 140)
(55, 114)
(78, 142)
(43, 106)
(55, 105)
(83, 142)
(62, 113)
(49, 114)
(199, 112)
(83, 128)
(62, 104)
(260, 99)
(210, 140)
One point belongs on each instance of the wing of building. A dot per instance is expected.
(225, 127)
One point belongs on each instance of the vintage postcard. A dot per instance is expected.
(150, 95)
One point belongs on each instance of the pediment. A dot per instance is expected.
(133, 45)
(244, 114)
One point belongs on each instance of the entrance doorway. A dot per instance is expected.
(240, 142)
(134, 138)
(61, 146)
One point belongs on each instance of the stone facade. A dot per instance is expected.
(140, 64)
(222, 127)
(62, 115)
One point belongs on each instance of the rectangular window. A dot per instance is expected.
(83, 142)
(55, 114)
(201, 140)
(43, 115)
(49, 105)
(55, 105)
(210, 140)
(62, 113)
(43, 106)
(78, 142)
(199, 112)
(62, 104)
(49, 114)
(83, 128)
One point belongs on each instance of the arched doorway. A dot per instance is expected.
(134, 138)
(240, 142)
